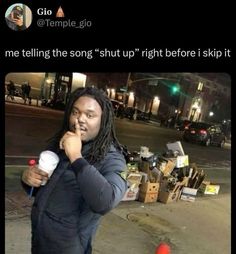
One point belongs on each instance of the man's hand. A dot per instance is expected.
(33, 176)
(18, 22)
(71, 143)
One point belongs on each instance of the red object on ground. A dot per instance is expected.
(163, 248)
(32, 162)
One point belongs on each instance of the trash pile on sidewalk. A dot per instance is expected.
(165, 178)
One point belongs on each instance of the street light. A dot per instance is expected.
(211, 113)
(109, 92)
(131, 99)
(155, 103)
(113, 93)
(78, 80)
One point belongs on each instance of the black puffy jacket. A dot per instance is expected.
(67, 210)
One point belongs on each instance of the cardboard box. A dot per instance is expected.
(148, 192)
(168, 196)
(166, 166)
(144, 177)
(211, 189)
(197, 176)
(144, 167)
(182, 161)
(149, 187)
(147, 197)
(176, 146)
(134, 179)
(188, 194)
(131, 194)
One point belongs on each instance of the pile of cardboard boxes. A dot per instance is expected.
(165, 178)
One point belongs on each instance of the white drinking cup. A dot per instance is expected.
(48, 161)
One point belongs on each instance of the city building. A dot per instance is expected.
(192, 96)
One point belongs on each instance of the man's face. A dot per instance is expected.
(89, 113)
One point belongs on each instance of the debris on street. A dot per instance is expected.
(166, 177)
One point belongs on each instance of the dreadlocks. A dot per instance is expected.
(106, 136)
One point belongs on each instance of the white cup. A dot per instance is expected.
(48, 161)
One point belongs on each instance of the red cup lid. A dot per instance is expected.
(32, 162)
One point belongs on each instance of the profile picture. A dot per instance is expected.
(18, 17)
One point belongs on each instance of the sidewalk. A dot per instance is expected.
(19, 100)
(201, 227)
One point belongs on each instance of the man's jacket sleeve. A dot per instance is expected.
(101, 189)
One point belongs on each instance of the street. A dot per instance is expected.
(201, 227)
(29, 128)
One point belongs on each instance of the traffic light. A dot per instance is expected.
(175, 89)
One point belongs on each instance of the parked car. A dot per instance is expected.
(183, 125)
(204, 133)
(129, 113)
(143, 116)
(51, 103)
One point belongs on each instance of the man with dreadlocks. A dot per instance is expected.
(87, 183)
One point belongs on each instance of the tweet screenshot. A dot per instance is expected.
(117, 132)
